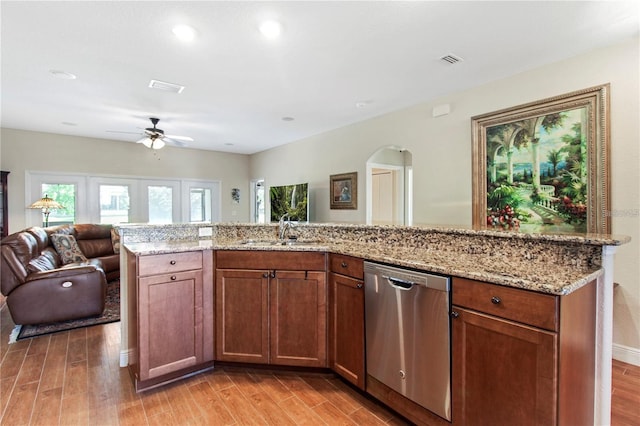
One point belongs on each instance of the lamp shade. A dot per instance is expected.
(46, 203)
(153, 142)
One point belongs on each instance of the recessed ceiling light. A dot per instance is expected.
(228, 144)
(63, 74)
(184, 32)
(68, 123)
(288, 118)
(363, 104)
(271, 29)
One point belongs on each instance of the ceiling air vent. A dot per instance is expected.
(451, 58)
(167, 87)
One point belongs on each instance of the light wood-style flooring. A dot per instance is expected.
(73, 378)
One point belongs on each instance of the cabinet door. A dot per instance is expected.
(170, 323)
(346, 328)
(504, 373)
(299, 318)
(242, 316)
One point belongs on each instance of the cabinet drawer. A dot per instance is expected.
(527, 307)
(347, 265)
(279, 260)
(171, 262)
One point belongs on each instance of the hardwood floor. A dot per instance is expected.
(74, 378)
(625, 396)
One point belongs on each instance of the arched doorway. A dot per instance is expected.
(389, 187)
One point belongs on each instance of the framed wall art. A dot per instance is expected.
(343, 191)
(543, 167)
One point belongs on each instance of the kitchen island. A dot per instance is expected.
(554, 265)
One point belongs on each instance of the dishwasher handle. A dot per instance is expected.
(398, 283)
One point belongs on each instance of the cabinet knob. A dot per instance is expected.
(343, 264)
(265, 275)
(359, 285)
(495, 300)
(454, 314)
(173, 278)
(173, 262)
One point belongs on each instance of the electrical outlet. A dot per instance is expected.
(205, 232)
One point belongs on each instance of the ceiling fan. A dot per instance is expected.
(155, 138)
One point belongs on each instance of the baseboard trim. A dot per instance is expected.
(124, 358)
(626, 354)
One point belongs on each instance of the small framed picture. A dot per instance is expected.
(343, 191)
(235, 195)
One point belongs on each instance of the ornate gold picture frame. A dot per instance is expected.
(543, 167)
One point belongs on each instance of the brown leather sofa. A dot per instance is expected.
(39, 288)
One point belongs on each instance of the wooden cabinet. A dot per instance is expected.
(521, 357)
(4, 212)
(173, 321)
(242, 315)
(271, 308)
(346, 318)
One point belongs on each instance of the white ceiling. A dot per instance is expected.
(239, 85)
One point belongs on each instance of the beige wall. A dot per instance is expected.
(441, 149)
(22, 151)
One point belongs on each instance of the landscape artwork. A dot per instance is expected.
(544, 167)
(291, 199)
(537, 173)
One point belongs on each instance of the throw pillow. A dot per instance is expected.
(67, 248)
(40, 264)
(115, 240)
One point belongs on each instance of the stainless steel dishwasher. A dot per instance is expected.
(407, 334)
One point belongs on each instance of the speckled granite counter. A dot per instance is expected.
(554, 264)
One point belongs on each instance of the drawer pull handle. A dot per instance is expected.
(173, 277)
(173, 262)
(495, 300)
(343, 264)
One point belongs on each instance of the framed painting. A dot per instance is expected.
(343, 191)
(543, 167)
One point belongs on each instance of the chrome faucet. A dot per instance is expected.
(284, 225)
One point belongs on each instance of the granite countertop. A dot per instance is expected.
(546, 278)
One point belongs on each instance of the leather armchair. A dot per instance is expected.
(54, 292)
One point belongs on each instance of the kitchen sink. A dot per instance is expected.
(299, 242)
(267, 243)
(251, 242)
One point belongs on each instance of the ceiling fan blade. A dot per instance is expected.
(122, 132)
(174, 142)
(179, 138)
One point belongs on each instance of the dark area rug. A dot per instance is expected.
(111, 314)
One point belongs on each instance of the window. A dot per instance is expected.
(257, 207)
(64, 194)
(200, 198)
(65, 189)
(110, 199)
(160, 202)
(114, 204)
(200, 202)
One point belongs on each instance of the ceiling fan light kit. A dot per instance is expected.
(155, 138)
